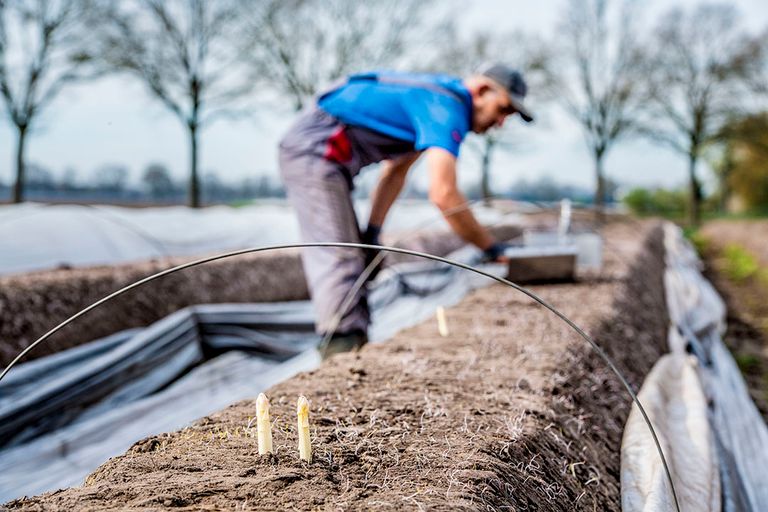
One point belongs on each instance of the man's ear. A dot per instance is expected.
(482, 89)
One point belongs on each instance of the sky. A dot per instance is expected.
(114, 120)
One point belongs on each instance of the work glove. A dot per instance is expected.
(371, 237)
(495, 252)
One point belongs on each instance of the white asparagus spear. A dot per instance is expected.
(263, 424)
(442, 324)
(305, 446)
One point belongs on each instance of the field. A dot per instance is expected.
(736, 256)
(510, 410)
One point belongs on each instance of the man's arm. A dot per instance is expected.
(444, 193)
(389, 186)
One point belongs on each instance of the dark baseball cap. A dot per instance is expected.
(512, 80)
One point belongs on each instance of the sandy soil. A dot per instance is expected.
(747, 301)
(751, 234)
(511, 411)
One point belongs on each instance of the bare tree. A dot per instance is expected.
(598, 76)
(40, 53)
(183, 51)
(297, 47)
(701, 65)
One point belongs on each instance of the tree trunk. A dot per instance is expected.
(694, 206)
(485, 183)
(18, 187)
(725, 193)
(725, 177)
(600, 188)
(194, 181)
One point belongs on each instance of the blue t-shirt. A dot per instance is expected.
(423, 109)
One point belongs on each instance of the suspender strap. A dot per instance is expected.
(395, 80)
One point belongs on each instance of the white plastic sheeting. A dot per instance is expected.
(676, 405)
(673, 396)
(37, 236)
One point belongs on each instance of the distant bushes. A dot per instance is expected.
(657, 201)
(740, 264)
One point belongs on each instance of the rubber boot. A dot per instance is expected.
(343, 342)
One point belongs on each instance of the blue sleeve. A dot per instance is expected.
(438, 121)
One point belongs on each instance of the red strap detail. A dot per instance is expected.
(338, 148)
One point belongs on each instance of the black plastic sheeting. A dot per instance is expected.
(63, 415)
(41, 396)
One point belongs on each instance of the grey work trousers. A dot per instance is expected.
(320, 195)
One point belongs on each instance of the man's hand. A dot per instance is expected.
(496, 252)
(371, 237)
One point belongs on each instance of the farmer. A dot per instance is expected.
(391, 118)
